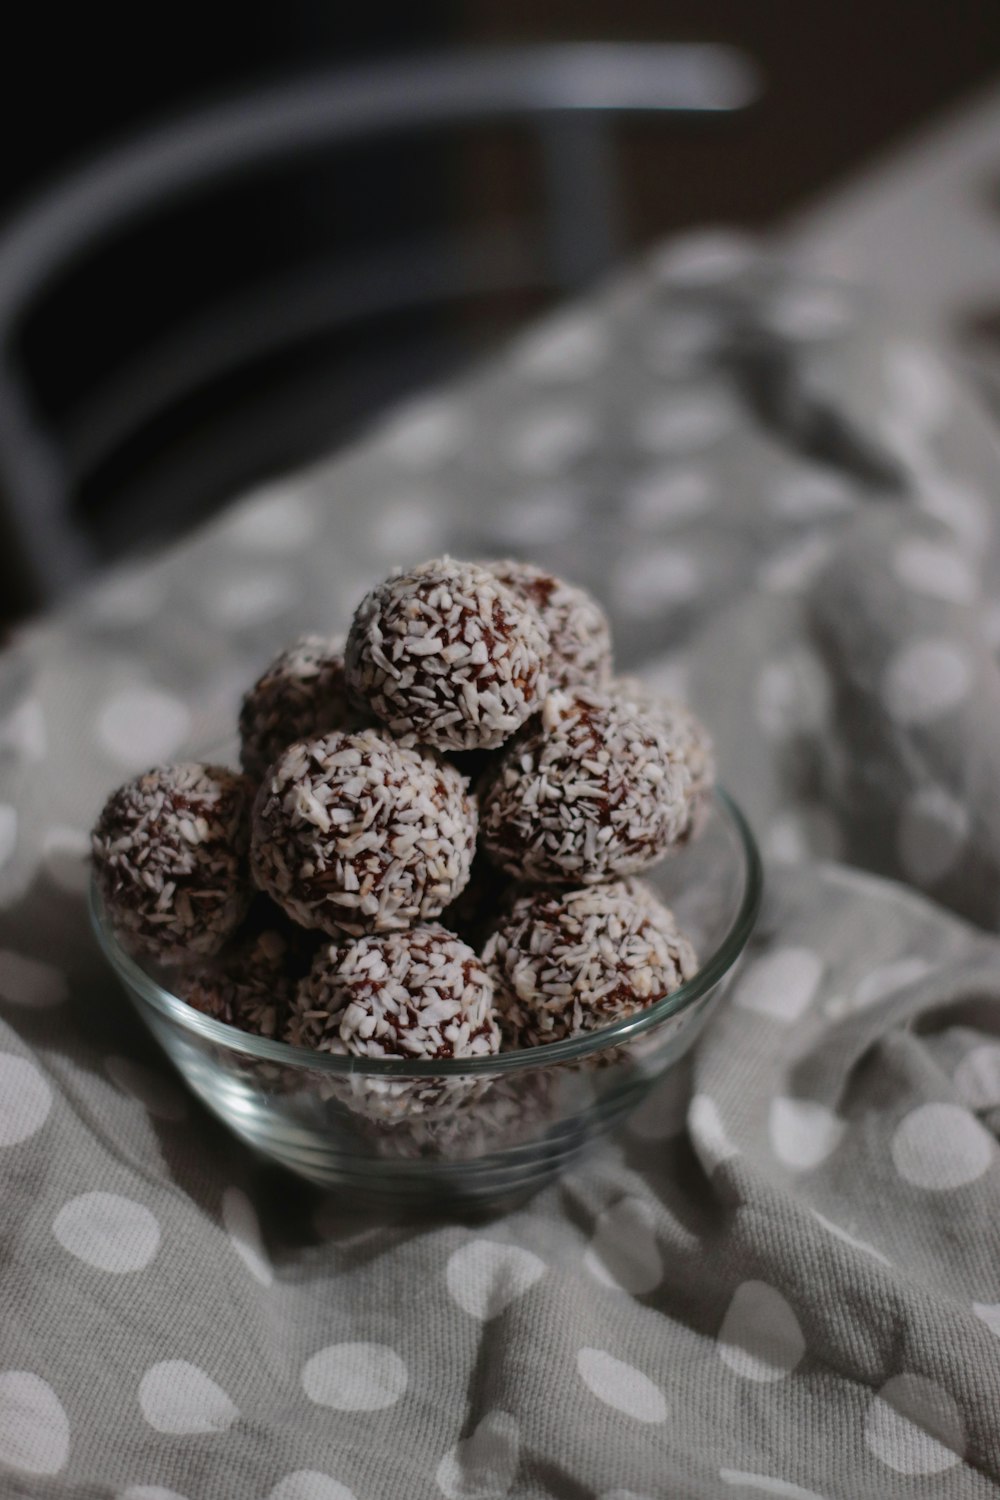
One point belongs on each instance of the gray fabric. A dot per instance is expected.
(783, 1276)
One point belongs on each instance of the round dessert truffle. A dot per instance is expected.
(301, 695)
(169, 851)
(355, 833)
(252, 989)
(688, 736)
(449, 656)
(578, 629)
(589, 792)
(565, 963)
(417, 994)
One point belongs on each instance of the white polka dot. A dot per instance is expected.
(808, 312)
(568, 348)
(548, 440)
(276, 520)
(915, 1427)
(485, 1277)
(482, 1466)
(23, 732)
(941, 1146)
(963, 509)
(793, 695)
(977, 1077)
(781, 985)
(811, 496)
(931, 568)
(309, 1484)
(988, 1313)
(127, 599)
(149, 1492)
(30, 982)
(8, 833)
(926, 680)
(425, 435)
(177, 1397)
(703, 259)
(623, 1253)
(142, 725)
(804, 833)
(668, 496)
(793, 569)
(240, 1221)
(539, 517)
(850, 1239)
(65, 857)
(407, 525)
(885, 980)
(152, 1090)
(25, 1099)
(803, 1133)
(108, 1232)
(918, 386)
(236, 601)
(355, 1377)
(659, 578)
(767, 1485)
(34, 1430)
(760, 1338)
(683, 423)
(621, 1386)
(708, 1134)
(932, 834)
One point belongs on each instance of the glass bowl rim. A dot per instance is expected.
(262, 1049)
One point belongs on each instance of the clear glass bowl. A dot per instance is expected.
(485, 1130)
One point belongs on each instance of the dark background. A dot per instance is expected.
(842, 82)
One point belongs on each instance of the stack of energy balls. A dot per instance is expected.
(431, 849)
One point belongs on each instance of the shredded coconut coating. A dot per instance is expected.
(590, 792)
(302, 694)
(565, 963)
(578, 629)
(355, 833)
(252, 989)
(448, 656)
(688, 736)
(169, 852)
(417, 994)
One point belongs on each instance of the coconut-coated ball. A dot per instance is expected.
(252, 988)
(447, 655)
(356, 833)
(568, 962)
(169, 853)
(302, 694)
(591, 791)
(688, 737)
(578, 629)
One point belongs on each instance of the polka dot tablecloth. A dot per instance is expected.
(783, 1276)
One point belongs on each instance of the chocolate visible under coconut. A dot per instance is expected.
(251, 989)
(169, 853)
(578, 629)
(589, 792)
(449, 656)
(301, 694)
(566, 963)
(687, 734)
(356, 833)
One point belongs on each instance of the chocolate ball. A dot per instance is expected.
(302, 694)
(252, 989)
(578, 629)
(566, 963)
(355, 833)
(589, 792)
(169, 852)
(689, 738)
(449, 656)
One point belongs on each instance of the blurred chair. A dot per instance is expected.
(568, 97)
